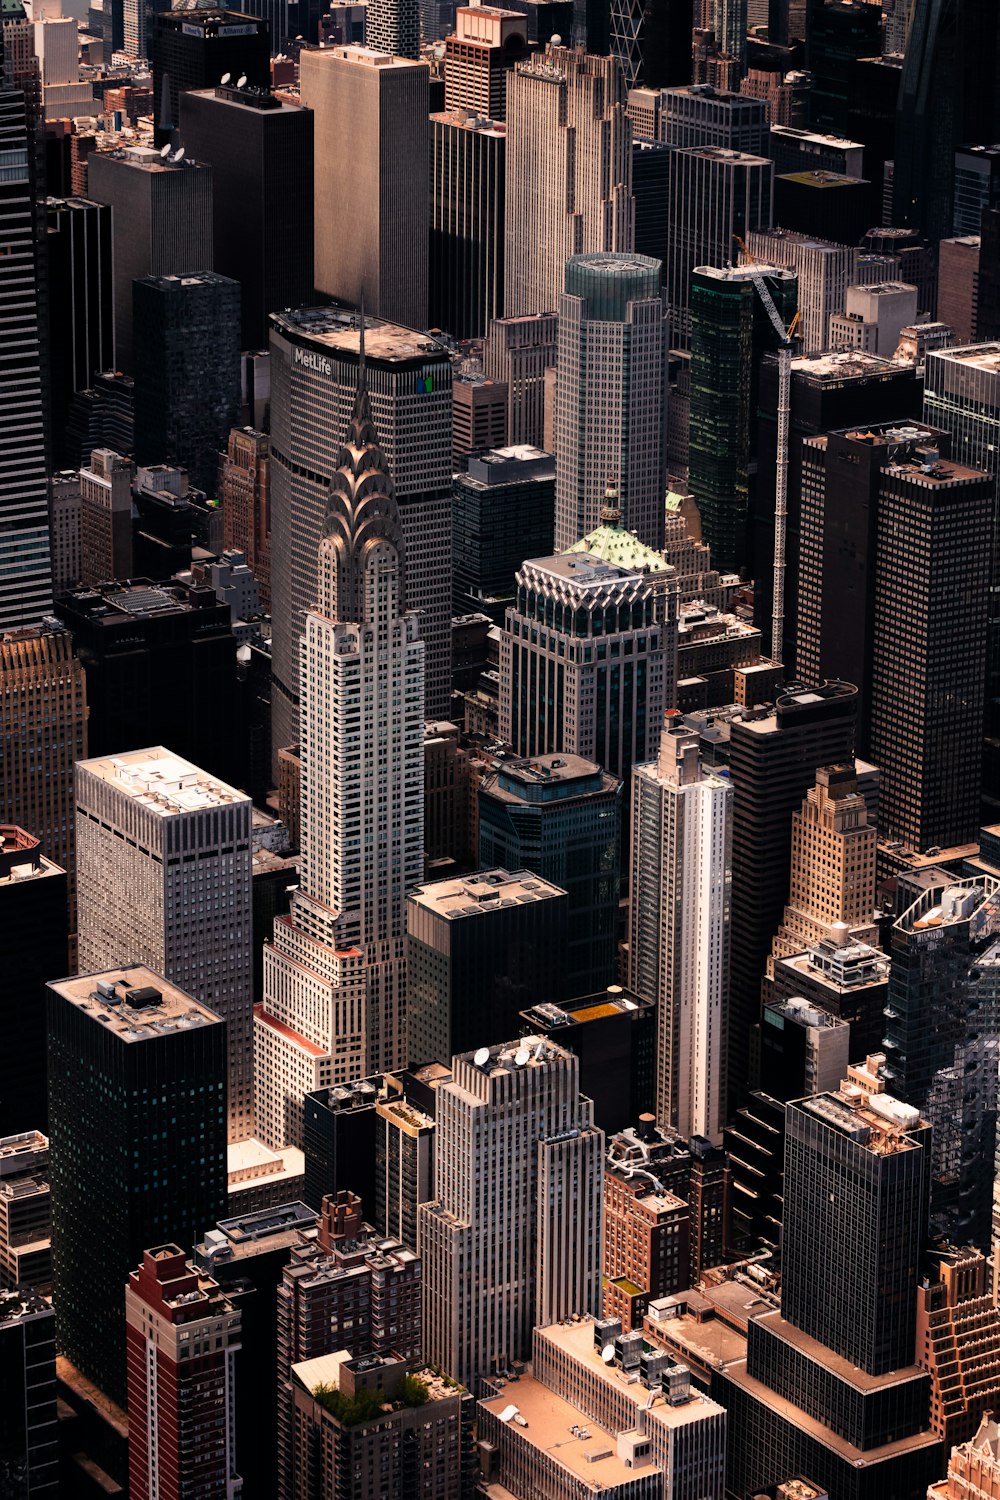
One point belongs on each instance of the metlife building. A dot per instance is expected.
(314, 372)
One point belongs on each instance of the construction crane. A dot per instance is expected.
(785, 336)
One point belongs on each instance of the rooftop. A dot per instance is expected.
(877, 1122)
(613, 1001)
(22, 1303)
(974, 356)
(338, 329)
(479, 894)
(611, 543)
(585, 570)
(820, 179)
(467, 119)
(746, 273)
(134, 1003)
(249, 1234)
(21, 857)
(577, 1340)
(162, 782)
(568, 1437)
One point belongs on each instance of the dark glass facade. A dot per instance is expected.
(860, 1213)
(474, 962)
(730, 331)
(161, 670)
(261, 154)
(502, 512)
(137, 1127)
(942, 1024)
(192, 49)
(29, 1444)
(838, 35)
(81, 305)
(338, 1139)
(466, 252)
(569, 833)
(187, 371)
(33, 939)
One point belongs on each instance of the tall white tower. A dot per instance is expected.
(679, 927)
(514, 1238)
(334, 973)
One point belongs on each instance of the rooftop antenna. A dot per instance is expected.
(166, 150)
(241, 82)
(225, 78)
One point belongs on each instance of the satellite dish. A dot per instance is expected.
(166, 150)
(482, 1057)
(556, 39)
(225, 77)
(608, 1353)
(241, 82)
(521, 1057)
(179, 155)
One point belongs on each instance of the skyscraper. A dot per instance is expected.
(931, 603)
(518, 351)
(502, 511)
(34, 914)
(832, 866)
(514, 1236)
(851, 509)
(730, 330)
(828, 392)
(187, 370)
(147, 650)
(700, 115)
(478, 57)
(610, 396)
(773, 763)
(466, 222)
(164, 862)
(569, 171)
(334, 975)
(192, 49)
(393, 27)
(376, 253)
(260, 149)
(946, 98)
(137, 1097)
(603, 700)
(715, 195)
(560, 817)
(182, 1337)
(29, 1443)
(942, 1041)
(681, 867)
(830, 1385)
(480, 949)
(652, 41)
(962, 397)
(81, 301)
(105, 517)
(43, 731)
(25, 564)
(314, 369)
(245, 493)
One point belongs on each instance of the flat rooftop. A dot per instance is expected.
(163, 782)
(614, 1001)
(972, 356)
(338, 329)
(134, 1003)
(708, 1344)
(847, 364)
(577, 1340)
(567, 1435)
(467, 119)
(584, 570)
(477, 895)
(877, 1122)
(839, 142)
(268, 1228)
(745, 273)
